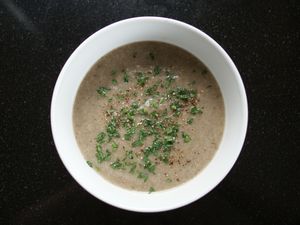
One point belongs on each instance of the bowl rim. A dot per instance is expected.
(164, 20)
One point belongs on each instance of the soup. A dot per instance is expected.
(148, 116)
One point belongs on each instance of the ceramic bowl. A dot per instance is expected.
(149, 29)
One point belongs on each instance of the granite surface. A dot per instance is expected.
(36, 39)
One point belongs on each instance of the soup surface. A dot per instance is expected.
(148, 116)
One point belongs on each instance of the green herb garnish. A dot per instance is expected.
(114, 81)
(126, 77)
(132, 167)
(156, 70)
(111, 129)
(137, 143)
(170, 78)
(101, 137)
(89, 163)
(151, 189)
(129, 155)
(103, 91)
(195, 110)
(162, 100)
(143, 176)
(164, 157)
(135, 105)
(141, 79)
(176, 107)
(117, 165)
(130, 131)
(143, 112)
(102, 156)
(114, 145)
(190, 120)
(152, 90)
(183, 93)
(186, 137)
(154, 104)
(148, 165)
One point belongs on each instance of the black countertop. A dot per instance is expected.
(37, 38)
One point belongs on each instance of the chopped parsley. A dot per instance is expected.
(137, 143)
(114, 81)
(156, 70)
(141, 138)
(190, 120)
(176, 107)
(143, 176)
(117, 165)
(141, 79)
(102, 156)
(112, 130)
(164, 156)
(148, 165)
(162, 100)
(170, 78)
(130, 131)
(103, 91)
(186, 137)
(126, 77)
(154, 104)
(152, 90)
(89, 163)
(135, 105)
(114, 146)
(129, 155)
(151, 189)
(195, 110)
(183, 93)
(132, 167)
(101, 137)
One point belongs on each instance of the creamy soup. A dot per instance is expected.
(148, 116)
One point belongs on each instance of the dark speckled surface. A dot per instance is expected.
(37, 37)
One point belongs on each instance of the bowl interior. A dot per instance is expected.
(145, 29)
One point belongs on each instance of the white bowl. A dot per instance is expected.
(145, 29)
